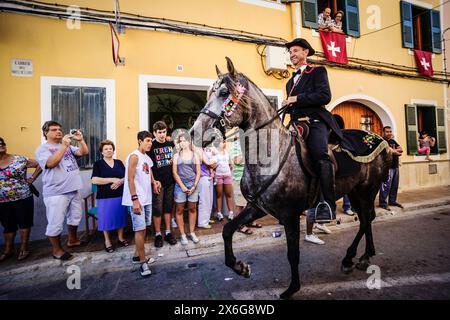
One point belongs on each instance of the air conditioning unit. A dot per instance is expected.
(276, 58)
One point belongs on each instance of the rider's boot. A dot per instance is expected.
(326, 209)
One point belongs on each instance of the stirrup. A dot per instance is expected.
(323, 218)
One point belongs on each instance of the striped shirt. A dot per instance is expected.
(238, 169)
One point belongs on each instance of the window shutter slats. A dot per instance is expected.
(351, 18)
(441, 136)
(309, 13)
(411, 128)
(436, 31)
(407, 25)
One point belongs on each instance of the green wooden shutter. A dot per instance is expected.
(93, 122)
(407, 24)
(309, 14)
(66, 103)
(441, 137)
(436, 31)
(351, 18)
(411, 128)
(84, 108)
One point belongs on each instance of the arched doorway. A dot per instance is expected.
(358, 116)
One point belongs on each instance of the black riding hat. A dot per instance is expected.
(302, 43)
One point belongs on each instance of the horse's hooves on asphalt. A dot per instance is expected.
(347, 270)
(363, 265)
(242, 269)
(288, 293)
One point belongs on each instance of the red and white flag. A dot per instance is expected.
(424, 63)
(334, 46)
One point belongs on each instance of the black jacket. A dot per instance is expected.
(313, 93)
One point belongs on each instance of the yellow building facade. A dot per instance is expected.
(65, 55)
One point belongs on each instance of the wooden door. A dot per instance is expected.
(358, 116)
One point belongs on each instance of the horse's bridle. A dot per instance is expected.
(219, 119)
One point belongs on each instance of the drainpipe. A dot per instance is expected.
(445, 57)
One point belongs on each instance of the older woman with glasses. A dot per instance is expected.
(16, 200)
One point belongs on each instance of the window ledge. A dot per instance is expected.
(266, 4)
(316, 34)
(411, 53)
(435, 157)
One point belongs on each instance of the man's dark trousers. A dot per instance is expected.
(389, 188)
(317, 143)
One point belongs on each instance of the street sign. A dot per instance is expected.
(21, 67)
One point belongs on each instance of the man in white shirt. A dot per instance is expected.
(137, 196)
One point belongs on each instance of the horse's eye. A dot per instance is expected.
(223, 93)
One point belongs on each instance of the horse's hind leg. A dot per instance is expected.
(364, 260)
(347, 263)
(248, 215)
(292, 228)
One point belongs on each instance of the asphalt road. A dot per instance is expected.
(413, 257)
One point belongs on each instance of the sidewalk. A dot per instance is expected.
(210, 239)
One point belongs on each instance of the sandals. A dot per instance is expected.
(23, 255)
(123, 243)
(247, 230)
(66, 256)
(254, 225)
(109, 249)
(6, 256)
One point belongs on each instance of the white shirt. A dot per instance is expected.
(142, 180)
(302, 68)
(223, 164)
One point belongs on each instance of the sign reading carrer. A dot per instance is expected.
(21, 67)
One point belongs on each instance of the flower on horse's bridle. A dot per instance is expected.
(232, 101)
(228, 107)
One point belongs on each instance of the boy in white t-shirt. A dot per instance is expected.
(137, 196)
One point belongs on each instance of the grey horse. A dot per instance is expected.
(285, 191)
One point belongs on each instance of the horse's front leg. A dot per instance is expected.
(248, 215)
(292, 228)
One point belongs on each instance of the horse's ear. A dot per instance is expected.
(219, 73)
(231, 69)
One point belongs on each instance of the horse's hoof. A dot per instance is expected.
(363, 265)
(289, 292)
(347, 270)
(242, 269)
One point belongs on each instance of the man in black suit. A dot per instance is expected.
(308, 92)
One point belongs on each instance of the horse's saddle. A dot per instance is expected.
(365, 147)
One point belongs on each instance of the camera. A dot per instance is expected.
(73, 131)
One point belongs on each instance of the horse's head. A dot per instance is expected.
(227, 106)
